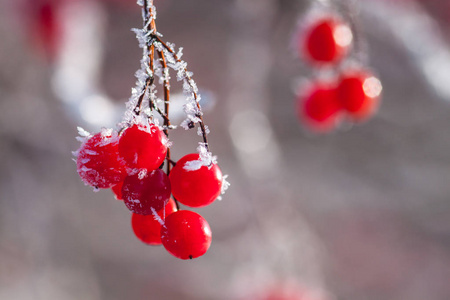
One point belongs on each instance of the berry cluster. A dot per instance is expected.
(352, 92)
(131, 161)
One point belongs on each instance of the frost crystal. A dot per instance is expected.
(180, 52)
(90, 152)
(224, 188)
(205, 159)
(157, 217)
(83, 135)
(107, 132)
(200, 132)
(82, 132)
(225, 184)
(142, 174)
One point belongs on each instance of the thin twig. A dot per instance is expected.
(188, 80)
(166, 101)
(151, 27)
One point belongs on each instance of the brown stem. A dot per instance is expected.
(151, 53)
(166, 101)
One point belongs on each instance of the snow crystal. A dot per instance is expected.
(107, 132)
(83, 135)
(185, 124)
(90, 152)
(85, 160)
(84, 169)
(205, 155)
(205, 159)
(141, 36)
(82, 132)
(180, 52)
(168, 143)
(225, 184)
(170, 127)
(200, 132)
(157, 217)
(193, 85)
(171, 46)
(141, 121)
(80, 139)
(193, 165)
(142, 174)
(166, 76)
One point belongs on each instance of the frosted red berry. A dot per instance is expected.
(98, 163)
(144, 191)
(326, 41)
(148, 228)
(186, 234)
(143, 146)
(318, 107)
(359, 94)
(194, 184)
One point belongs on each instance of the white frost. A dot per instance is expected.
(142, 174)
(157, 217)
(225, 184)
(82, 132)
(205, 159)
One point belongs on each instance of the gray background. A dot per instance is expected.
(362, 213)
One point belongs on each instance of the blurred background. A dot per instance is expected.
(361, 213)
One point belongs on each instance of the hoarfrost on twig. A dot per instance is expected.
(200, 132)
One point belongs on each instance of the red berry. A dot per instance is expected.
(195, 186)
(117, 190)
(45, 25)
(147, 228)
(143, 191)
(319, 108)
(143, 146)
(98, 163)
(359, 94)
(186, 234)
(327, 41)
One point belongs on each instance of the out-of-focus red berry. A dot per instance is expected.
(326, 41)
(319, 108)
(44, 25)
(359, 94)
